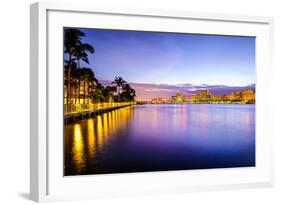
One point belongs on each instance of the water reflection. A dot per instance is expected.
(78, 148)
(161, 137)
(89, 137)
(100, 135)
(105, 126)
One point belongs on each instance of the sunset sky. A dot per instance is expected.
(164, 63)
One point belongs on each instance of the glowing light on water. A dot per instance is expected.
(100, 132)
(78, 149)
(91, 138)
(105, 126)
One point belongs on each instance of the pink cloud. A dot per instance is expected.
(147, 91)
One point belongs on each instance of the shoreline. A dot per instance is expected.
(74, 117)
(214, 103)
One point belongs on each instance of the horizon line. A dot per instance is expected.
(182, 84)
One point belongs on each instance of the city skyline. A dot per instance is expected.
(146, 92)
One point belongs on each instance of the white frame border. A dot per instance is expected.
(39, 76)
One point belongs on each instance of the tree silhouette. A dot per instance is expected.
(75, 50)
(118, 82)
(128, 93)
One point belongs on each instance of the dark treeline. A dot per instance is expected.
(80, 84)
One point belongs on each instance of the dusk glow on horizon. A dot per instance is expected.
(172, 58)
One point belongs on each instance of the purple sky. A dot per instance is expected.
(171, 59)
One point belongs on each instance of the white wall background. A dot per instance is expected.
(14, 92)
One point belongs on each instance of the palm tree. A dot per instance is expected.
(72, 39)
(76, 50)
(97, 93)
(108, 92)
(118, 82)
(128, 93)
(81, 53)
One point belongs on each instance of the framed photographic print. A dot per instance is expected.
(127, 102)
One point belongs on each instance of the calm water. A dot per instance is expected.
(162, 137)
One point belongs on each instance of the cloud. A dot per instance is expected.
(147, 91)
(159, 90)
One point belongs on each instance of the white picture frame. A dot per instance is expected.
(47, 182)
